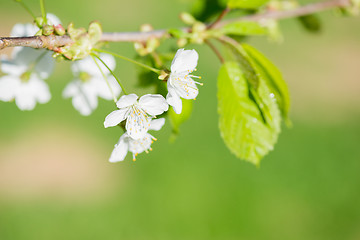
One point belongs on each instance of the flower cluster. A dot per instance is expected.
(26, 71)
(138, 113)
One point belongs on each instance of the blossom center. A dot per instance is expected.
(25, 77)
(84, 76)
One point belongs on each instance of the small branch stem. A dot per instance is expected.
(43, 12)
(52, 41)
(221, 16)
(129, 60)
(215, 50)
(105, 78)
(112, 73)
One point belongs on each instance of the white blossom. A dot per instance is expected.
(180, 83)
(128, 144)
(24, 78)
(26, 70)
(138, 113)
(89, 83)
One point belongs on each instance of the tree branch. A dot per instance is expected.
(52, 42)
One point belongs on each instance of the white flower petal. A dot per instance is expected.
(25, 99)
(110, 62)
(45, 66)
(157, 124)
(11, 67)
(127, 100)
(84, 97)
(184, 60)
(115, 117)
(184, 87)
(174, 100)
(153, 104)
(89, 66)
(8, 87)
(120, 149)
(40, 89)
(52, 19)
(71, 89)
(103, 89)
(24, 30)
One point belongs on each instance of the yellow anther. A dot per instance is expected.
(199, 77)
(136, 154)
(150, 149)
(194, 98)
(134, 159)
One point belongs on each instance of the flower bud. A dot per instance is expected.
(187, 18)
(146, 28)
(59, 30)
(39, 21)
(48, 30)
(181, 42)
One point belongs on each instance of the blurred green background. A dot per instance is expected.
(56, 182)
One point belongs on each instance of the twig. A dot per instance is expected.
(52, 42)
(215, 50)
(221, 16)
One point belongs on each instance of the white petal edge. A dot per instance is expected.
(174, 100)
(184, 60)
(115, 117)
(157, 124)
(127, 100)
(120, 150)
(153, 104)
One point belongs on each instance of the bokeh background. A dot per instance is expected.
(56, 182)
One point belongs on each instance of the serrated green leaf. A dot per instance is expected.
(244, 28)
(311, 23)
(248, 4)
(273, 77)
(249, 71)
(240, 120)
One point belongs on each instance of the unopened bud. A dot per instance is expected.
(152, 44)
(48, 30)
(163, 75)
(187, 18)
(146, 28)
(59, 30)
(39, 21)
(181, 42)
(199, 27)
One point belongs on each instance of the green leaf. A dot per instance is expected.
(240, 120)
(245, 64)
(244, 28)
(248, 4)
(311, 23)
(273, 77)
(178, 119)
